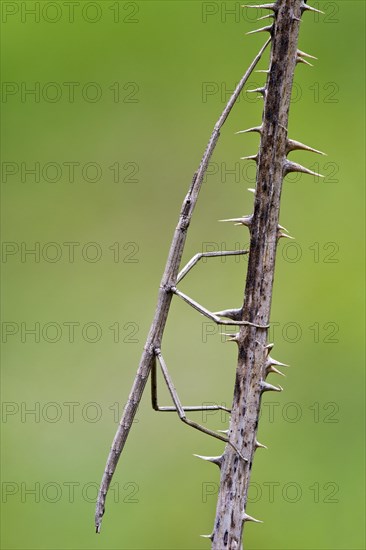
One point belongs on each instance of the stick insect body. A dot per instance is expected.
(152, 354)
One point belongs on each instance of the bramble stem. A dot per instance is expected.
(253, 355)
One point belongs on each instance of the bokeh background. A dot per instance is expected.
(126, 95)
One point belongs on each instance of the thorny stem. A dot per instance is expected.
(253, 355)
(168, 282)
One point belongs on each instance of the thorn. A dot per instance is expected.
(236, 220)
(294, 167)
(268, 387)
(293, 145)
(207, 536)
(281, 227)
(259, 445)
(272, 369)
(305, 7)
(251, 157)
(234, 314)
(224, 431)
(263, 7)
(269, 16)
(261, 91)
(233, 337)
(214, 459)
(245, 220)
(268, 347)
(301, 60)
(271, 361)
(281, 234)
(269, 29)
(255, 129)
(304, 54)
(250, 518)
(266, 71)
(251, 190)
(294, 18)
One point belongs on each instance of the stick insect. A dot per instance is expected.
(152, 355)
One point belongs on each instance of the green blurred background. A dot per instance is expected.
(161, 72)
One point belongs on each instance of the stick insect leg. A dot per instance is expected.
(156, 406)
(211, 315)
(179, 408)
(201, 255)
